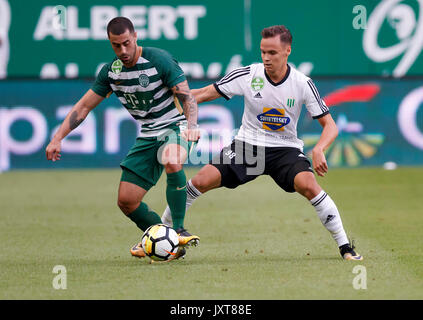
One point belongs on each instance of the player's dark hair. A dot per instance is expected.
(282, 31)
(119, 25)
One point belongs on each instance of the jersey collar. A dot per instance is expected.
(280, 82)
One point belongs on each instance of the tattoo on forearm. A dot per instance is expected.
(183, 93)
(74, 122)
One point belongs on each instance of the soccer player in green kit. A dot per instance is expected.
(149, 83)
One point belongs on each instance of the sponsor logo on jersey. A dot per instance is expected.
(257, 83)
(290, 102)
(258, 95)
(273, 119)
(117, 66)
(144, 80)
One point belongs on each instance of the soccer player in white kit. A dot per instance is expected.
(273, 97)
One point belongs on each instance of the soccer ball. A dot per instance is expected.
(160, 242)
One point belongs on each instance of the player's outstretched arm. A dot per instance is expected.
(74, 118)
(190, 107)
(205, 94)
(329, 134)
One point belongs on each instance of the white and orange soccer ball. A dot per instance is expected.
(160, 242)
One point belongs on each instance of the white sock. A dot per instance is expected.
(329, 216)
(192, 194)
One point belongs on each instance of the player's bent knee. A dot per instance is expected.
(130, 196)
(127, 205)
(207, 178)
(126, 208)
(200, 182)
(305, 183)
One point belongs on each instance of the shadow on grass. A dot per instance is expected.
(132, 262)
(252, 259)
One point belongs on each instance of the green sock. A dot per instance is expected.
(144, 217)
(176, 196)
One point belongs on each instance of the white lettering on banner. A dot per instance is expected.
(113, 117)
(86, 131)
(47, 25)
(60, 20)
(162, 22)
(5, 17)
(407, 117)
(216, 122)
(191, 15)
(71, 70)
(73, 31)
(402, 19)
(194, 69)
(100, 17)
(137, 15)
(49, 71)
(8, 145)
(304, 67)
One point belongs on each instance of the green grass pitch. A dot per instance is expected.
(257, 242)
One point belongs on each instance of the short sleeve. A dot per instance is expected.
(232, 84)
(171, 72)
(314, 104)
(101, 85)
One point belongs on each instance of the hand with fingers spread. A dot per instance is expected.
(319, 162)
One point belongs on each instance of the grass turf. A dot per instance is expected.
(257, 242)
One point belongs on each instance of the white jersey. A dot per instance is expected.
(271, 110)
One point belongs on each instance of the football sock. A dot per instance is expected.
(192, 194)
(329, 216)
(176, 197)
(144, 217)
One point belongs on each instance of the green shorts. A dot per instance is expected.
(141, 165)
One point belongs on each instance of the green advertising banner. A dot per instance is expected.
(67, 38)
(379, 121)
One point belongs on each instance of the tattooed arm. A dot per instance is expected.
(74, 118)
(190, 108)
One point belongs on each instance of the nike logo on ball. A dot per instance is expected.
(171, 253)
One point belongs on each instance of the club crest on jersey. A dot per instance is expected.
(257, 84)
(144, 80)
(273, 119)
(117, 66)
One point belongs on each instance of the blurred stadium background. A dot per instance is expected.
(365, 57)
(372, 78)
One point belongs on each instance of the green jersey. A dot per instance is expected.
(145, 89)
